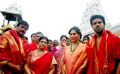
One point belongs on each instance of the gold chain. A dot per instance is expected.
(71, 49)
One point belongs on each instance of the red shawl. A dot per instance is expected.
(113, 52)
(14, 51)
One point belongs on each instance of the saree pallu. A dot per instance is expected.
(58, 54)
(76, 62)
(109, 48)
(42, 65)
(12, 50)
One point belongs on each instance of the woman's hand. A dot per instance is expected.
(27, 70)
(63, 44)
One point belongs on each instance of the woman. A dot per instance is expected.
(59, 52)
(75, 57)
(40, 61)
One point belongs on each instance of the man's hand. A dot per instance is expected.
(14, 67)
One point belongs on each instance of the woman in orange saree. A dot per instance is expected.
(75, 57)
(40, 61)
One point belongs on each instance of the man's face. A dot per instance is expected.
(49, 44)
(98, 25)
(55, 43)
(21, 29)
(34, 37)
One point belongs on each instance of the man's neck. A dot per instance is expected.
(99, 35)
(21, 36)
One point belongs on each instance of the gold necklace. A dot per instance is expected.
(73, 49)
(40, 53)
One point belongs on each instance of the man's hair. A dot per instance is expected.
(49, 40)
(97, 16)
(39, 33)
(22, 22)
(32, 34)
(86, 37)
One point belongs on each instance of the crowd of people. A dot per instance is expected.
(99, 54)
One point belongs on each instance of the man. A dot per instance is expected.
(39, 34)
(13, 49)
(104, 48)
(33, 44)
(54, 44)
(35, 40)
(86, 39)
(49, 45)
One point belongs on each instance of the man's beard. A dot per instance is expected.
(20, 35)
(100, 32)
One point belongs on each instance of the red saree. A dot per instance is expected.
(103, 61)
(42, 65)
(12, 50)
(76, 62)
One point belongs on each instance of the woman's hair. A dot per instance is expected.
(43, 37)
(76, 29)
(62, 36)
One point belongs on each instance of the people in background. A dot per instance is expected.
(54, 44)
(33, 44)
(49, 45)
(59, 53)
(85, 39)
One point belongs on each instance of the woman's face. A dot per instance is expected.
(74, 36)
(63, 40)
(42, 44)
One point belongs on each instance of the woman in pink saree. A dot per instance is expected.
(58, 54)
